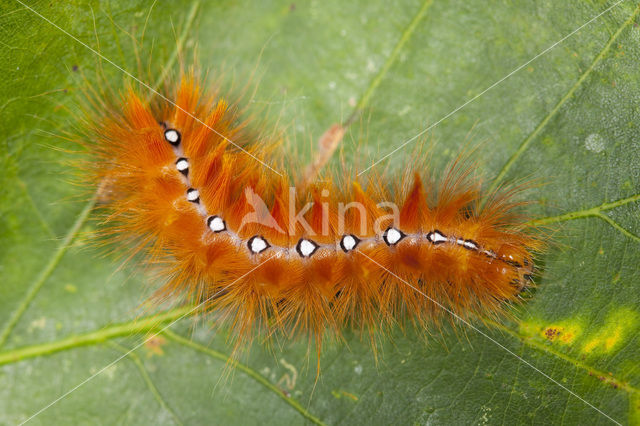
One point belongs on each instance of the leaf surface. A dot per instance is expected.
(548, 90)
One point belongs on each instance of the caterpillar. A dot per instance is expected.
(189, 185)
(578, 129)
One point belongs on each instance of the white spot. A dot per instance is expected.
(486, 412)
(436, 237)
(393, 236)
(172, 136)
(594, 142)
(404, 110)
(371, 66)
(216, 224)
(351, 76)
(348, 242)
(332, 85)
(358, 369)
(490, 253)
(38, 324)
(258, 244)
(306, 247)
(110, 371)
(470, 245)
(193, 195)
(182, 165)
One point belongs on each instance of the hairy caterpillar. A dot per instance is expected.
(186, 187)
(567, 287)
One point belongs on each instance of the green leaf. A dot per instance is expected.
(549, 93)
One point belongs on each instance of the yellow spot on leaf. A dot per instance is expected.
(563, 332)
(340, 393)
(612, 334)
(634, 409)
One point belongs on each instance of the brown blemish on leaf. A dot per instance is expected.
(154, 346)
(564, 334)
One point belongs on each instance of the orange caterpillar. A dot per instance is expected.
(219, 226)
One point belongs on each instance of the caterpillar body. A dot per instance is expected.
(185, 187)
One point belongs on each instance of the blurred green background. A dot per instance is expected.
(570, 117)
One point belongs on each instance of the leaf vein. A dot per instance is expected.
(84, 214)
(564, 357)
(527, 141)
(593, 212)
(245, 369)
(147, 379)
(406, 35)
(46, 272)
